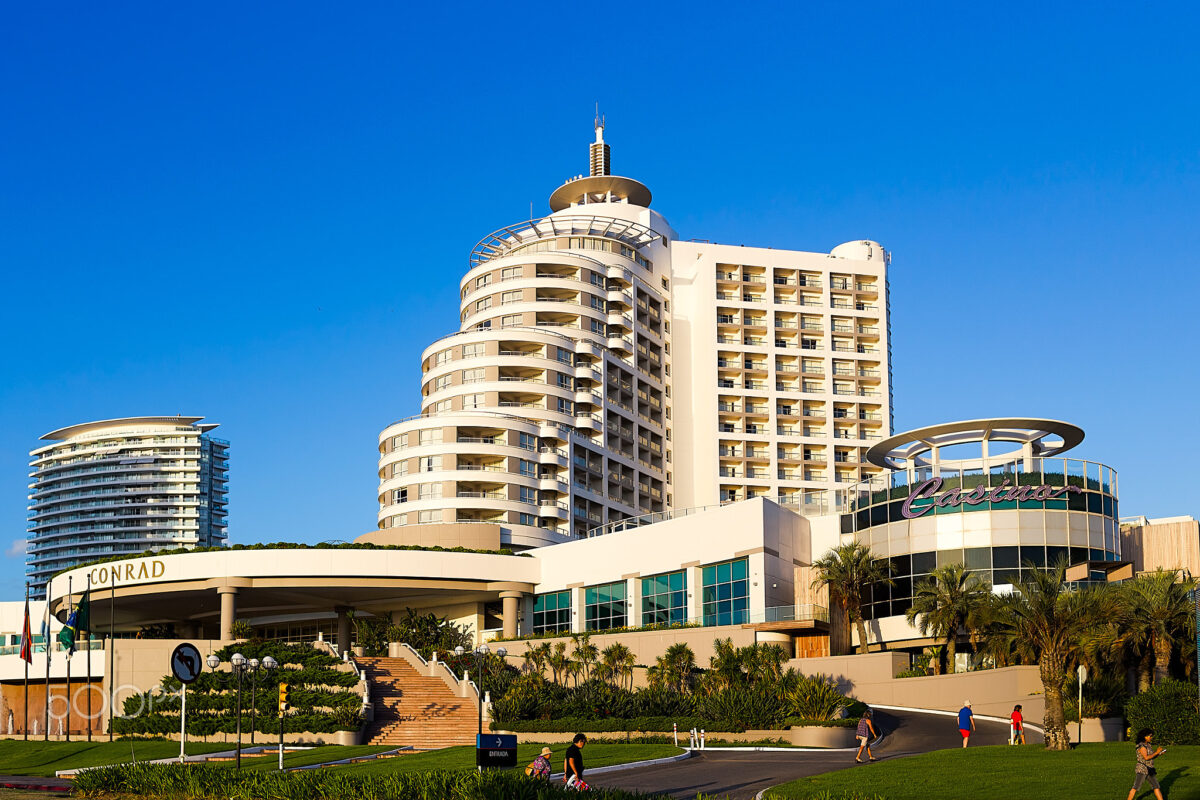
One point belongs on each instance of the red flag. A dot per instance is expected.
(27, 638)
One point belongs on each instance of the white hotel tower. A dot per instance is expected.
(127, 485)
(605, 369)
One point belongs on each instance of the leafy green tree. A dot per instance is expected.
(944, 603)
(848, 570)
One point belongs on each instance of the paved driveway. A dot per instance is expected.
(741, 775)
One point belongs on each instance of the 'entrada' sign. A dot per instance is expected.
(980, 494)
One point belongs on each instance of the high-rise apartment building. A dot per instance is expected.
(124, 486)
(604, 369)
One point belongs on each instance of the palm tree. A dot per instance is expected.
(558, 662)
(848, 570)
(535, 657)
(584, 654)
(1048, 625)
(617, 662)
(674, 668)
(945, 602)
(1159, 607)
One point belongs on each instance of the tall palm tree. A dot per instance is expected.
(848, 570)
(618, 661)
(1158, 606)
(558, 662)
(674, 668)
(1048, 625)
(584, 654)
(945, 602)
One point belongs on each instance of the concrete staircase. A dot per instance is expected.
(416, 709)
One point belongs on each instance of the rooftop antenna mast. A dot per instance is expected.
(600, 159)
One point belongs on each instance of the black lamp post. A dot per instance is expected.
(480, 654)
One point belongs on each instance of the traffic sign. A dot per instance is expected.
(186, 663)
(495, 750)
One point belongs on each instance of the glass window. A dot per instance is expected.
(552, 612)
(528, 494)
(604, 606)
(664, 599)
(431, 436)
(473, 350)
(726, 594)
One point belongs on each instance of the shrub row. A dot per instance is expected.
(210, 783)
(651, 724)
(319, 692)
(1170, 709)
(616, 725)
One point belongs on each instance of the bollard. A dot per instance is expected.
(674, 730)
(702, 738)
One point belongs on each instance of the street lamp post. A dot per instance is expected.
(253, 664)
(239, 665)
(480, 654)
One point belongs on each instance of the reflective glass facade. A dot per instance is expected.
(993, 522)
(604, 606)
(552, 612)
(664, 599)
(726, 593)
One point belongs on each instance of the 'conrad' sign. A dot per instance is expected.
(143, 569)
(928, 490)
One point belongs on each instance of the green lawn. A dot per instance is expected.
(37, 757)
(301, 758)
(596, 754)
(1005, 773)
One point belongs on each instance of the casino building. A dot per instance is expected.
(1014, 502)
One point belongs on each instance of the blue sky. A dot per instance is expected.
(260, 212)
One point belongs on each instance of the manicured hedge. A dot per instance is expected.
(1169, 709)
(176, 782)
(318, 692)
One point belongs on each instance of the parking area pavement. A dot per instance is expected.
(740, 775)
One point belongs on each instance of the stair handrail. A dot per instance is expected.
(424, 661)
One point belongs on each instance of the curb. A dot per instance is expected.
(633, 764)
(352, 760)
(989, 718)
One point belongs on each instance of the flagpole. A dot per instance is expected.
(88, 641)
(112, 677)
(25, 634)
(46, 643)
(70, 602)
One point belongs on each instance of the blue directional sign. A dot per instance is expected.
(495, 750)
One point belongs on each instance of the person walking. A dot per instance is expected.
(573, 764)
(1016, 734)
(1144, 771)
(540, 768)
(966, 722)
(865, 733)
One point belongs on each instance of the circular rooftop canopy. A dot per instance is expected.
(1046, 437)
(596, 188)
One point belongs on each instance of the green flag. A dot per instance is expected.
(80, 619)
(83, 616)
